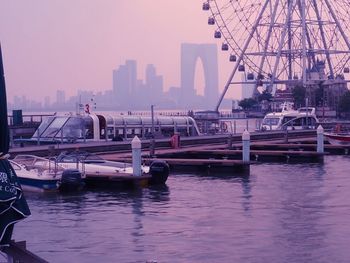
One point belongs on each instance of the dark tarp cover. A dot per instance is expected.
(13, 206)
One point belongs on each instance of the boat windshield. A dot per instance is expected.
(73, 128)
(270, 121)
(45, 123)
(74, 157)
(63, 126)
(54, 127)
(304, 110)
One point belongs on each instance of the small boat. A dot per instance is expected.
(94, 168)
(338, 136)
(45, 175)
(290, 119)
(338, 139)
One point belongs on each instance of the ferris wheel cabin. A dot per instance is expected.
(97, 127)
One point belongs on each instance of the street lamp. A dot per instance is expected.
(152, 116)
(152, 143)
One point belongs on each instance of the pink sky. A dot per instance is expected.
(75, 44)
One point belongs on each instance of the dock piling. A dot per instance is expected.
(152, 146)
(136, 156)
(246, 146)
(229, 141)
(320, 139)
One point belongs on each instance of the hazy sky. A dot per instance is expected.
(75, 44)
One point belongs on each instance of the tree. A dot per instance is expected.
(265, 95)
(319, 96)
(247, 104)
(344, 102)
(299, 93)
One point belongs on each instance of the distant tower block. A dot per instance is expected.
(189, 55)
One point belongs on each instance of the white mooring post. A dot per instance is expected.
(136, 156)
(320, 142)
(246, 146)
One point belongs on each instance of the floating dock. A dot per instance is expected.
(113, 181)
(195, 164)
(331, 149)
(217, 152)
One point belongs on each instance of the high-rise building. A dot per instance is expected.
(47, 102)
(120, 84)
(125, 82)
(60, 97)
(154, 83)
(131, 66)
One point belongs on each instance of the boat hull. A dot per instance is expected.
(338, 139)
(39, 185)
(70, 181)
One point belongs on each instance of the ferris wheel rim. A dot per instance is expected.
(235, 46)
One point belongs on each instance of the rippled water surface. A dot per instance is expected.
(280, 213)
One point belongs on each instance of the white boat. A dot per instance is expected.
(93, 166)
(290, 119)
(71, 128)
(41, 174)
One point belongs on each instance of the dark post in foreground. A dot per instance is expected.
(13, 206)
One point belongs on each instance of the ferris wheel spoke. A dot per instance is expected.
(284, 31)
(337, 23)
(304, 34)
(241, 56)
(320, 25)
(267, 40)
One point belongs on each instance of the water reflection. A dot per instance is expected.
(242, 178)
(137, 210)
(299, 233)
(158, 193)
(247, 195)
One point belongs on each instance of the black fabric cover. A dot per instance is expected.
(4, 130)
(13, 206)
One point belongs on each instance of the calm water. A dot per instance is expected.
(281, 213)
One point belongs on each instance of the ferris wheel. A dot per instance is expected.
(276, 42)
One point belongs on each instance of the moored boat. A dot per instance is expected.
(43, 175)
(338, 139)
(290, 119)
(96, 170)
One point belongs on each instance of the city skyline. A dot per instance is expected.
(128, 92)
(74, 46)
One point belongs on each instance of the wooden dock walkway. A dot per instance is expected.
(125, 146)
(223, 151)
